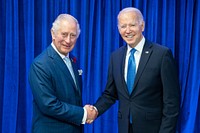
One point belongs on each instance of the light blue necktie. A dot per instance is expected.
(131, 71)
(131, 75)
(69, 65)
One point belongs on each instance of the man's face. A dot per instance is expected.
(65, 38)
(130, 29)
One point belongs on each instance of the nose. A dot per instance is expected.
(128, 29)
(67, 39)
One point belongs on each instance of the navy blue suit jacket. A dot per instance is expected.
(154, 102)
(57, 101)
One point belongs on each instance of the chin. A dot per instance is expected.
(130, 42)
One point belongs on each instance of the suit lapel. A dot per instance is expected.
(75, 69)
(146, 53)
(58, 61)
(122, 55)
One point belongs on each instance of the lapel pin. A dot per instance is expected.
(146, 52)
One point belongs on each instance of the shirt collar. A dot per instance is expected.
(138, 47)
(61, 55)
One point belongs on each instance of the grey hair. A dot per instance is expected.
(132, 9)
(56, 23)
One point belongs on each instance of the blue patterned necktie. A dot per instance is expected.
(131, 71)
(69, 65)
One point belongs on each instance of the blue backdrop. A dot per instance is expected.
(25, 31)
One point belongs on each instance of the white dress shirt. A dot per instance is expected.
(137, 55)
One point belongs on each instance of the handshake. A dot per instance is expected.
(92, 113)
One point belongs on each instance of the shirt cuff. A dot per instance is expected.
(84, 116)
(95, 108)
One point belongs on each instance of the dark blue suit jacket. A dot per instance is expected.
(154, 102)
(57, 102)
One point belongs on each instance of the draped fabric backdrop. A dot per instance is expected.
(25, 32)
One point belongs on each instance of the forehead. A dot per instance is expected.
(68, 26)
(127, 17)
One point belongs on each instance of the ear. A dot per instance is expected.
(143, 25)
(53, 34)
(119, 29)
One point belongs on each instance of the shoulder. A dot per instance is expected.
(46, 55)
(43, 60)
(119, 51)
(158, 51)
(156, 48)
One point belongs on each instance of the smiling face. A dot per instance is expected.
(130, 27)
(64, 38)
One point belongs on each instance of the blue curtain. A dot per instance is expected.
(25, 31)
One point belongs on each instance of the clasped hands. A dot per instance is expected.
(91, 113)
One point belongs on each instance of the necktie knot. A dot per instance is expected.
(132, 51)
(66, 59)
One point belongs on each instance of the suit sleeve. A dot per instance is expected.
(40, 79)
(109, 95)
(171, 94)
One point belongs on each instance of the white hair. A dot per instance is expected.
(56, 23)
(132, 9)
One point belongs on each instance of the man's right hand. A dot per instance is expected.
(92, 113)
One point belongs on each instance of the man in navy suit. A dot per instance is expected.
(152, 105)
(56, 83)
